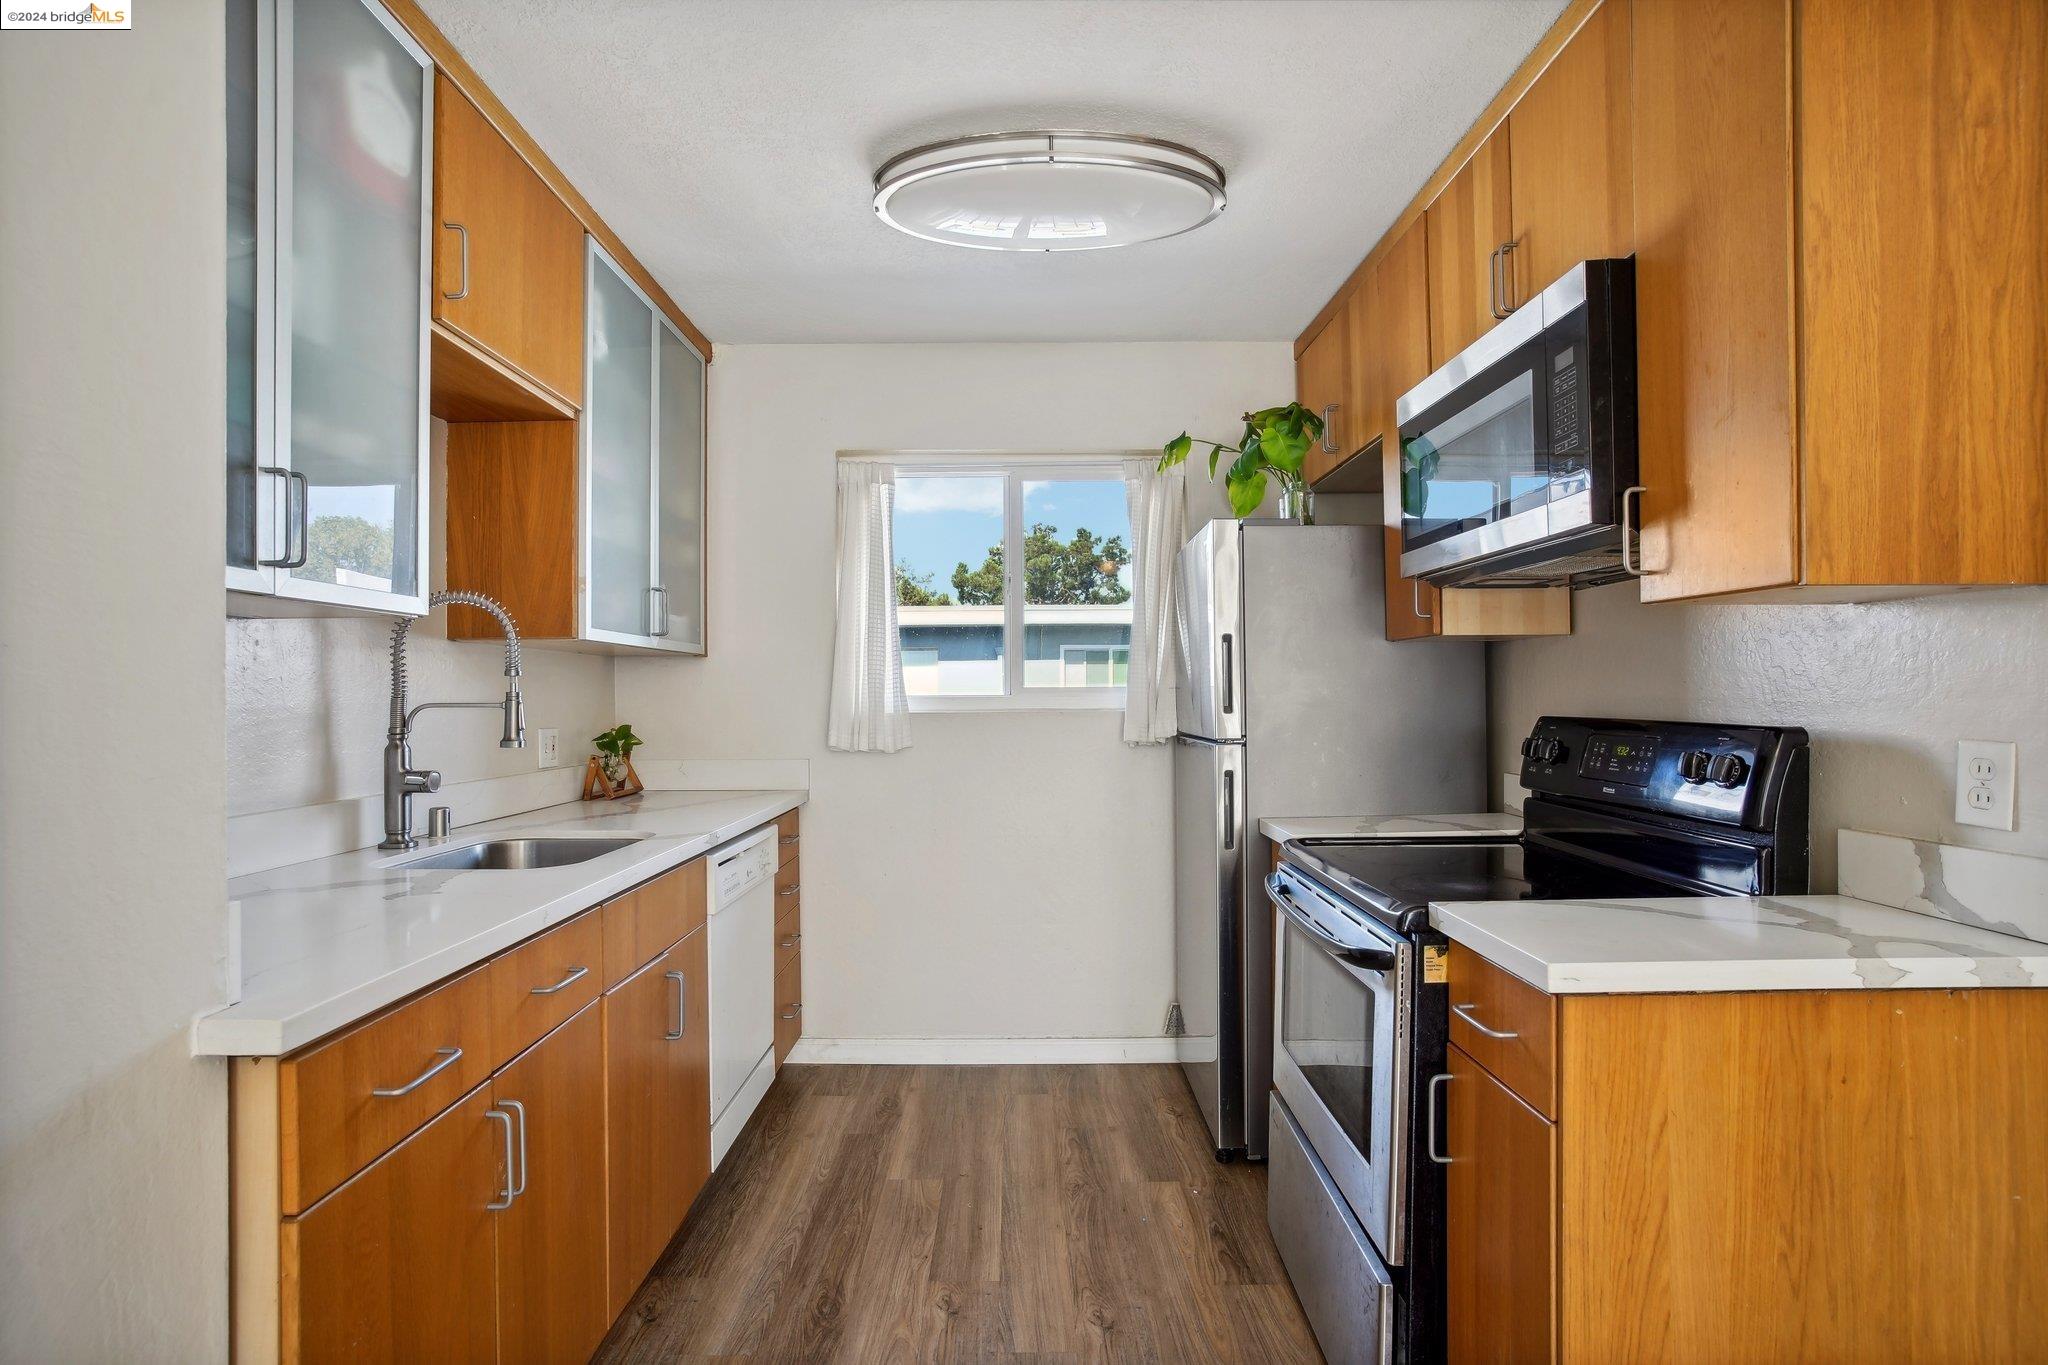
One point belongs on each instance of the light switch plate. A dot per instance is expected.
(1984, 782)
(550, 748)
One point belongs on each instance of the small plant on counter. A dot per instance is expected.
(614, 747)
(1275, 443)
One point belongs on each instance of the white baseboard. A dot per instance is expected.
(979, 1051)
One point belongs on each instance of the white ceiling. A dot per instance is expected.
(732, 144)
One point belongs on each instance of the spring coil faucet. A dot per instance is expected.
(401, 780)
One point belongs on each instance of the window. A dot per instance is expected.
(1013, 584)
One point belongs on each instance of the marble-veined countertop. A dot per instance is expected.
(1734, 943)
(325, 943)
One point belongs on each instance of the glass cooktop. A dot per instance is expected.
(1398, 881)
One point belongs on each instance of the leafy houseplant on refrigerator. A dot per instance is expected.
(1275, 443)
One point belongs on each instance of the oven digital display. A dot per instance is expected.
(1629, 759)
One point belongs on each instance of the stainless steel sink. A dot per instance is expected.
(517, 854)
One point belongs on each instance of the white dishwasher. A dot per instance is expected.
(742, 986)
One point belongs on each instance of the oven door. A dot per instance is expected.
(1341, 1025)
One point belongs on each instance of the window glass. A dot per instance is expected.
(1077, 583)
(949, 583)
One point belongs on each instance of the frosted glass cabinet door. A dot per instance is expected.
(249, 533)
(679, 569)
(358, 116)
(618, 419)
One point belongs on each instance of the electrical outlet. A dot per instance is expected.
(550, 748)
(1984, 782)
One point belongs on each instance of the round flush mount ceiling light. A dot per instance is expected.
(1054, 190)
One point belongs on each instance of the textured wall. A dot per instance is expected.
(1886, 690)
(1010, 874)
(308, 701)
(113, 916)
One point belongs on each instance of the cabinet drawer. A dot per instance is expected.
(788, 888)
(1507, 1026)
(345, 1102)
(640, 925)
(789, 1007)
(788, 945)
(542, 982)
(786, 837)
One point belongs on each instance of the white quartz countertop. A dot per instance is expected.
(326, 943)
(1734, 943)
(1281, 828)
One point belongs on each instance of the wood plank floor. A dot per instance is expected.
(1056, 1213)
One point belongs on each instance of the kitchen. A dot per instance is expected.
(570, 309)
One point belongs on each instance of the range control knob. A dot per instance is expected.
(1550, 751)
(1692, 765)
(1727, 770)
(1529, 746)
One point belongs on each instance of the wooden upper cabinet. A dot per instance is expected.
(401, 1262)
(552, 1303)
(508, 259)
(1468, 225)
(1321, 381)
(1923, 276)
(1572, 163)
(1401, 337)
(1500, 1221)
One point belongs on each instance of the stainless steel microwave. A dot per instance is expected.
(1519, 455)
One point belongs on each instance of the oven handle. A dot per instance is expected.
(1372, 959)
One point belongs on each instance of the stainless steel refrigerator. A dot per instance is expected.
(1292, 702)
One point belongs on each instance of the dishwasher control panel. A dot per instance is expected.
(738, 868)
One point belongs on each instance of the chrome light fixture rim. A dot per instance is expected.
(888, 180)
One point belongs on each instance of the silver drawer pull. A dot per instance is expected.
(575, 975)
(787, 840)
(789, 942)
(793, 1011)
(449, 1057)
(462, 291)
(508, 1194)
(790, 890)
(682, 990)
(1434, 1082)
(516, 1107)
(1464, 1012)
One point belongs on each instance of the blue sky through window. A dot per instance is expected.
(945, 520)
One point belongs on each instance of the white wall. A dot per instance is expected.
(309, 700)
(113, 921)
(1010, 874)
(1886, 690)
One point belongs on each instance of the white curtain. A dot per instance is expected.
(869, 709)
(1158, 504)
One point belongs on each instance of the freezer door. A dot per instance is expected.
(1212, 633)
(1208, 848)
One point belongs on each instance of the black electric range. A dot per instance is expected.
(1616, 808)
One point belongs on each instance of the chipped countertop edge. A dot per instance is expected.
(1457, 825)
(1714, 943)
(336, 894)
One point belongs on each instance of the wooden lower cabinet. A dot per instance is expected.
(1500, 1230)
(657, 1053)
(552, 1304)
(789, 1008)
(401, 1262)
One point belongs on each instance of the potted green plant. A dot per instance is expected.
(1275, 443)
(612, 766)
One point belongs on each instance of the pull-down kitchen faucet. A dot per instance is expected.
(401, 779)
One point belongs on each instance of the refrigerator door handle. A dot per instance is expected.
(1229, 678)
(1229, 809)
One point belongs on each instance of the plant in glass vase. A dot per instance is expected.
(1275, 443)
(615, 751)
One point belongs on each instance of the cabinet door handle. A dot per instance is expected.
(793, 1011)
(1493, 282)
(516, 1107)
(682, 990)
(1630, 563)
(1330, 428)
(661, 615)
(1464, 1012)
(1434, 1082)
(789, 839)
(789, 942)
(1507, 279)
(1415, 597)
(508, 1194)
(575, 975)
(790, 890)
(462, 235)
(296, 529)
(449, 1057)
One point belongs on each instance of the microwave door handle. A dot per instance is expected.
(1372, 959)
